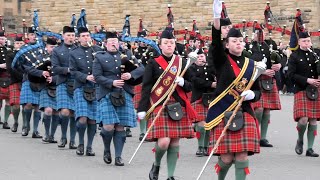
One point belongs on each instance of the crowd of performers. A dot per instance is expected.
(79, 85)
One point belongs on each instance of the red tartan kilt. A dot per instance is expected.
(14, 93)
(244, 140)
(304, 107)
(165, 127)
(269, 99)
(201, 110)
(137, 95)
(4, 93)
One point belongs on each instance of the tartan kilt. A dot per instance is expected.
(244, 140)
(4, 93)
(165, 127)
(201, 110)
(14, 94)
(123, 115)
(27, 95)
(64, 100)
(84, 108)
(304, 107)
(47, 101)
(269, 99)
(137, 95)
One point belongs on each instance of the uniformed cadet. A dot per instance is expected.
(261, 48)
(169, 128)
(114, 95)
(15, 83)
(81, 60)
(30, 92)
(4, 80)
(203, 85)
(65, 83)
(48, 103)
(306, 109)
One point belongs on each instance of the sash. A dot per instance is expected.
(230, 97)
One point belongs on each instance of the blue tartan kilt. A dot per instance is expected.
(124, 115)
(47, 101)
(64, 100)
(84, 108)
(27, 95)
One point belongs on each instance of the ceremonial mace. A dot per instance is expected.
(259, 69)
(192, 58)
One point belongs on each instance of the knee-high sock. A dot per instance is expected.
(16, 112)
(206, 139)
(259, 115)
(172, 158)
(222, 169)
(46, 121)
(106, 137)
(27, 116)
(301, 129)
(81, 128)
(91, 131)
(242, 169)
(119, 139)
(36, 120)
(158, 154)
(73, 128)
(264, 125)
(64, 121)
(202, 136)
(312, 132)
(7, 111)
(54, 124)
(143, 126)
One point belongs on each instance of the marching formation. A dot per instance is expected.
(221, 93)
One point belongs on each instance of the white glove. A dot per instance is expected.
(261, 65)
(248, 95)
(141, 115)
(180, 81)
(217, 8)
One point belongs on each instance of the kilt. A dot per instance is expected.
(137, 95)
(84, 108)
(14, 94)
(201, 110)
(64, 100)
(4, 93)
(47, 101)
(165, 127)
(124, 115)
(269, 99)
(244, 140)
(304, 107)
(27, 95)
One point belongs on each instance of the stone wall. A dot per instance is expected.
(111, 13)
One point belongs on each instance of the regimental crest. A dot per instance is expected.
(173, 70)
(241, 85)
(159, 91)
(167, 81)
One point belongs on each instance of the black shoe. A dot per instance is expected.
(265, 143)
(1, 122)
(80, 150)
(72, 145)
(52, 140)
(36, 135)
(107, 157)
(199, 152)
(128, 133)
(62, 143)
(299, 147)
(141, 136)
(24, 132)
(5, 126)
(118, 161)
(46, 139)
(89, 152)
(205, 151)
(154, 172)
(311, 153)
(14, 127)
(171, 178)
